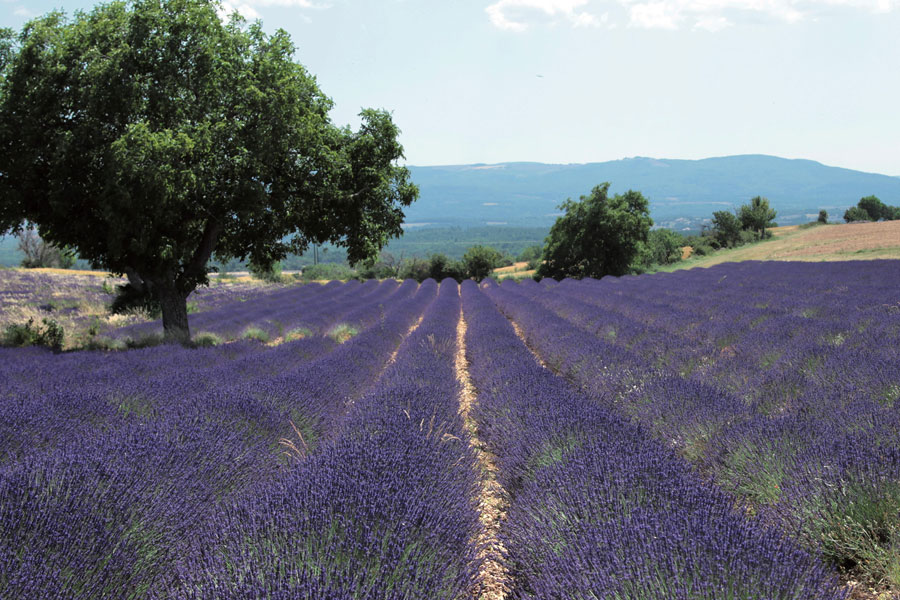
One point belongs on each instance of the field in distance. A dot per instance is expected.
(850, 241)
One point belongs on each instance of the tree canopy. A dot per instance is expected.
(757, 216)
(149, 136)
(597, 235)
(726, 228)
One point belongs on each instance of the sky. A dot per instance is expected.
(577, 81)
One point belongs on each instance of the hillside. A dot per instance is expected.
(850, 241)
(681, 192)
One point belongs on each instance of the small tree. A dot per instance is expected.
(823, 216)
(39, 253)
(150, 136)
(757, 216)
(479, 261)
(597, 235)
(726, 228)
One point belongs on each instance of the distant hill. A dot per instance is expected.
(681, 192)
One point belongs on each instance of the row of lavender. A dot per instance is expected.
(157, 473)
(112, 465)
(780, 381)
(384, 511)
(599, 509)
(306, 310)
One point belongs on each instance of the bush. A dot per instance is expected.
(823, 216)
(50, 334)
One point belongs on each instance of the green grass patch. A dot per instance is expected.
(206, 339)
(342, 332)
(255, 333)
(297, 334)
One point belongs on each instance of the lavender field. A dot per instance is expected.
(724, 433)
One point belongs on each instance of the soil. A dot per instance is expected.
(493, 579)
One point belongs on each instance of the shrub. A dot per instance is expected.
(823, 216)
(49, 334)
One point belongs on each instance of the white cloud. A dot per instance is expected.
(245, 10)
(248, 8)
(705, 15)
(21, 11)
(512, 15)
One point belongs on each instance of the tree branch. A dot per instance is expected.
(197, 265)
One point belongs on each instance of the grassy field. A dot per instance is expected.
(851, 241)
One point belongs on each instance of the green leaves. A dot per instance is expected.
(757, 216)
(597, 235)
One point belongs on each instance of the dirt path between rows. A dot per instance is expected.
(493, 579)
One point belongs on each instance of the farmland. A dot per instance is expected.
(721, 433)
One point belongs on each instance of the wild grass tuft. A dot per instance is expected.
(293, 450)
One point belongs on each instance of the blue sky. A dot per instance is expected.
(573, 81)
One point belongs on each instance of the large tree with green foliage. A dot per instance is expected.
(757, 216)
(597, 235)
(149, 136)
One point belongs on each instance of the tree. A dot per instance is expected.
(726, 228)
(597, 235)
(874, 207)
(855, 213)
(823, 216)
(479, 261)
(757, 216)
(39, 253)
(150, 136)
(664, 246)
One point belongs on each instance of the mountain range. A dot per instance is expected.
(682, 193)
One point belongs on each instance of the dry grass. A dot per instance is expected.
(492, 580)
(63, 272)
(851, 241)
(517, 270)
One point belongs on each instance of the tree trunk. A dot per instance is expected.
(174, 314)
